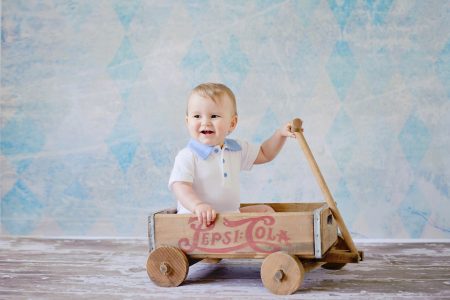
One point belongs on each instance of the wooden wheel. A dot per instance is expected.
(340, 245)
(167, 266)
(281, 273)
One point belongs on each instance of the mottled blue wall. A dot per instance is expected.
(93, 98)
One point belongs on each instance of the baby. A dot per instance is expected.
(205, 176)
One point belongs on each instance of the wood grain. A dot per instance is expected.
(281, 273)
(167, 266)
(33, 268)
(248, 235)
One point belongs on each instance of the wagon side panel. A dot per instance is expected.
(243, 235)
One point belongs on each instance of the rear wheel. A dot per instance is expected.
(167, 266)
(282, 273)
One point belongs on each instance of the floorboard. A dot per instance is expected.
(32, 268)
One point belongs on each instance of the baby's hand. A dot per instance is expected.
(286, 130)
(205, 213)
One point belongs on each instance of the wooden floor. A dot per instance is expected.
(115, 269)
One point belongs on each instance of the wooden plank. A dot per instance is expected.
(341, 256)
(240, 235)
(32, 268)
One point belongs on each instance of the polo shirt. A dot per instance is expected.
(214, 172)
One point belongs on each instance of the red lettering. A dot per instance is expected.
(216, 236)
(270, 235)
(236, 236)
(260, 232)
(283, 236)
(255, 233)
(205, 240)
(227, 238)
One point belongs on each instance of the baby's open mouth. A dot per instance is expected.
(207, 132)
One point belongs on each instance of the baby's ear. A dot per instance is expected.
(234, 121)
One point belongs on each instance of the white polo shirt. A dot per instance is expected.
(214, 172)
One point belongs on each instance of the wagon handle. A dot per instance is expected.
(296, 128)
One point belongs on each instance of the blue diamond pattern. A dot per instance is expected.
(123, 141)
(342, 130)
(414, 212)
(21, 136)
(126, 10)
(276, 50)
(342, 12)
(234, 64)
(378, 10)
(21, 210)
(342, 68)
(197, 64)
(125, 67)
(77, 190)
(414, 139)
(443, 67)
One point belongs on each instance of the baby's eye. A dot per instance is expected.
(215, 116)
(196, 116)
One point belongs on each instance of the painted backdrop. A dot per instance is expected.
(93, 95)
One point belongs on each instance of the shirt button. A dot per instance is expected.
(225, 174)
(223, 160)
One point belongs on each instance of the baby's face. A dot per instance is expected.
(210, 122)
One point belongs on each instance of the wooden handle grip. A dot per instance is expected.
(297, 125)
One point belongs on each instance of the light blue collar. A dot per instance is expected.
(203, 151)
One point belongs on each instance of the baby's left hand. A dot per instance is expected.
(286, 130)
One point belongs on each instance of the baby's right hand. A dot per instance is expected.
(205, 213)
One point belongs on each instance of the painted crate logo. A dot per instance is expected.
(257, 233)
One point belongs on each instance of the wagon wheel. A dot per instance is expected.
(281, 273)
(167, 266)
(340, 245)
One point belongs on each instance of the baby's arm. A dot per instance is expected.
(189, 199)
(272, 146)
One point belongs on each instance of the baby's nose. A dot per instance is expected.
(206, 121)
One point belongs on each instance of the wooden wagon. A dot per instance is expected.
(296, 238)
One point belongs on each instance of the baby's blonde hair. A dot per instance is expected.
(215, 91)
